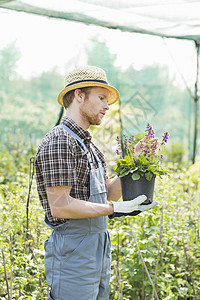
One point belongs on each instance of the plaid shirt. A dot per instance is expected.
(60, 161)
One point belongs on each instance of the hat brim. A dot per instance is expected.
(113, 92)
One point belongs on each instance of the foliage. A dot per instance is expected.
(169, 241)
(8, 59)
(175, 153)
(106, 60)
(147, 164)
(13, 159)
(24, 253)
(30, 104)
(168, 238)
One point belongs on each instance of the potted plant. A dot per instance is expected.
(138, 172)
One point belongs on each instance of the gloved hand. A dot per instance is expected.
(131, 207)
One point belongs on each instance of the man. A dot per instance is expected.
(73, 188)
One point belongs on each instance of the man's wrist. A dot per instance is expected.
(111, 207)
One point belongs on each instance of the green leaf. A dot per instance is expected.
(135, 176)
(123, 173)
(148, 176)
(144, 161)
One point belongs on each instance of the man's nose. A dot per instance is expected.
(106, 106)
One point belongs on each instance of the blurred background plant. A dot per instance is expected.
(168, 236)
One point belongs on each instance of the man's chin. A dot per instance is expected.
(96, 122)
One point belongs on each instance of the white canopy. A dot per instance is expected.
(166, 18)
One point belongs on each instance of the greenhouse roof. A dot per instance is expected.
(165, 18)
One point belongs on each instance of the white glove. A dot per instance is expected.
(132, 205)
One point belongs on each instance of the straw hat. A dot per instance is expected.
(86, 77)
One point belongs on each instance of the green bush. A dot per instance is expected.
(175, 153)
(169, 241)
(168, 238)
(24, 252)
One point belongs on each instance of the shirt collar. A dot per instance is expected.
(83, 134)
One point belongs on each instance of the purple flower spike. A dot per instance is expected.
(150, 127)
(150, 133)
(165, 138)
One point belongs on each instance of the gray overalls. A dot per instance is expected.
(77, 253)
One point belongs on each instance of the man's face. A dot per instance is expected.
(95, 106)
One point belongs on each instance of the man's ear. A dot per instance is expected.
(78, 95)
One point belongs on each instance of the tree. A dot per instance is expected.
(8, 63)
(99, 55)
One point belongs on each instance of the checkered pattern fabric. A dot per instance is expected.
(60, 161)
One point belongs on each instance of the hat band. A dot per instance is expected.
(88, 80)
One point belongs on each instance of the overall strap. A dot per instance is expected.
(79, 140)
(95, 155)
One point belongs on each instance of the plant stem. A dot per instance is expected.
(11, 283)
(117, 268)
(159, 246)
(31, 175)
(188, 265)
(144, 265)
(118, 281)
(5, 273)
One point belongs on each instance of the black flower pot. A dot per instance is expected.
(134, 188)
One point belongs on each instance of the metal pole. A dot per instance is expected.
(121, 128)
(60, 116)
(196, 98)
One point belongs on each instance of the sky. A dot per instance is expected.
(44, 43)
